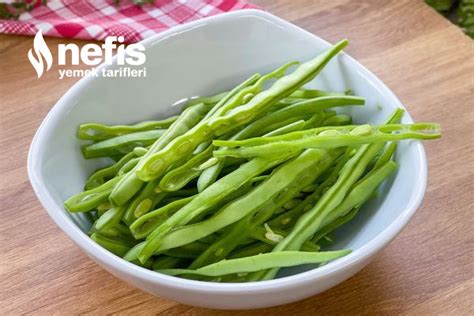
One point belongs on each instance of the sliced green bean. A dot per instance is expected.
(181, 176)
(335, 224)
(166, 262)
(211, 100)
(207, 199)
(316, 163)
(118, 231)
(121, 144)
(358, 195)
(233, 94)
(156, 164)
(188, 251)
(145, 224)
(338, 120)
(102, 175)
(289, 218)
(251, 250)
(277, 119)
(118, 248)
(274, 236)
(132, 254)
(143, 202)
(362, 191)
(211, 173)
(110, 218)
(98, 132)
(131, 184)
(127, 167)
(363, 134)
(287, 175)
(184, 145)
(314, 93)
(384, 157)
(260, 262)
(90, 199)
(295, 126)
(309, 222)
(312, 220)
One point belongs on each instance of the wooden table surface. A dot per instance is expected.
(428, 269)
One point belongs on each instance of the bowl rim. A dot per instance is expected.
(57, 212)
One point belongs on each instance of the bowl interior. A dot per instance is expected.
(204, 59)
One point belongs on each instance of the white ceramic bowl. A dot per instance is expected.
(202, 58)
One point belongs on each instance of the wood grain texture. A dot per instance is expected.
(428, 269)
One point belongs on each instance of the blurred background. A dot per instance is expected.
(459, 12)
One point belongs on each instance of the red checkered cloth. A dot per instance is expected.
(97, 19)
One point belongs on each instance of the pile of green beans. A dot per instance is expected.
(240, 183)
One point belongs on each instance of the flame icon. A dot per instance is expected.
(42, 52)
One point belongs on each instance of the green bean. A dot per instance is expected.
(140, 151)
(316, 161)
(294, 202)
(210, 174)
(288, 219)
(143, 202)
(280, 89)
(118, 248)
(335, 224)
(117, 230)
(363, 134)
(310, 222)
(241, 183)
(297, 110)
(358, 195)
(428, 130)
(338, 120)
(156, 164)
(251, 250)
(102, 175)
(90, 199)
(221, 98)
(98, 132)
(289, 174)
(121, 144)
(295, 126)
(276, 120)
(315, 121)
(179, 177)
(260, 140)
(397, 115)
(233, 94)
(110, 218)
(247, 94)
(260, 262)
(131, 184)
(273, 237)
(128, 166)
(183, 145)
(188, 251)
(145, 224)
(185, 192)
(166, 262)
(132, 254)
(314, 93)
(384, 157)
(362, 190)
(211, 100)
(207, 199)
(303, 94)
